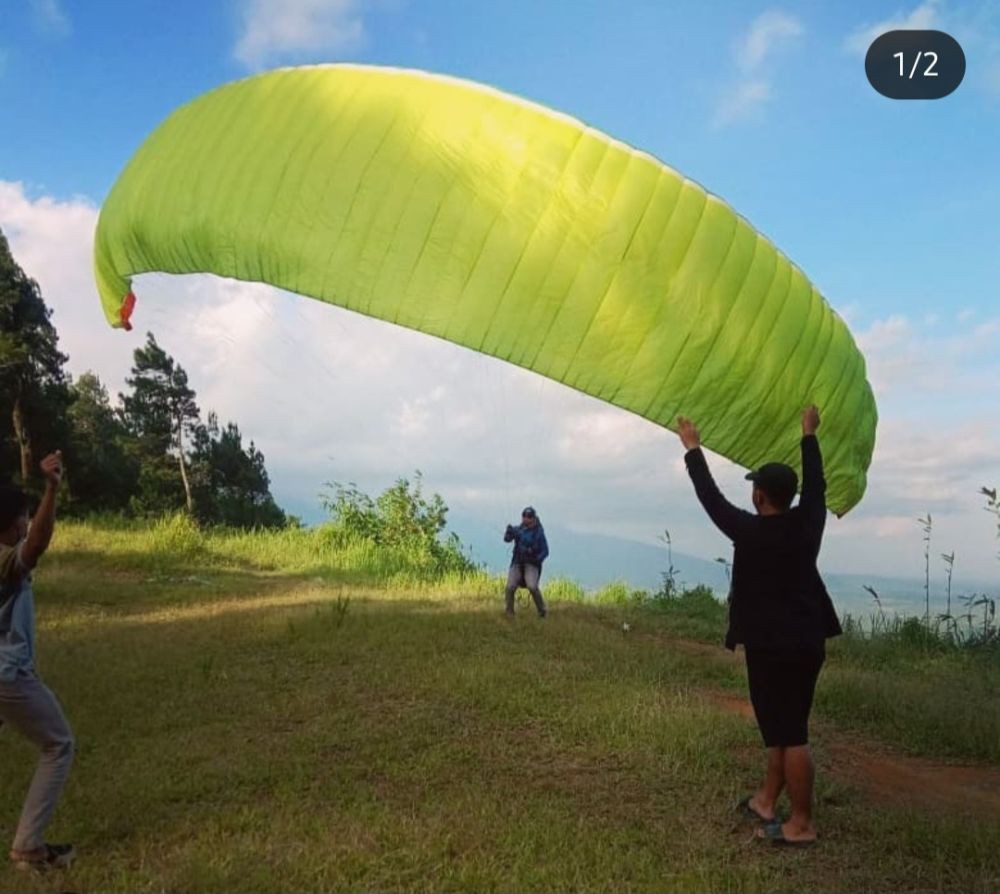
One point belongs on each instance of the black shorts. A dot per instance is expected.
(782, 683)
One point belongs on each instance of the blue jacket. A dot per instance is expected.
(530, 546)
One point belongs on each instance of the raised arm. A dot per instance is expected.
(44, 520)
(727, 518)
(813, 499)
(509, 534)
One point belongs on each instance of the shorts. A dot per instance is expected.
(782, 683)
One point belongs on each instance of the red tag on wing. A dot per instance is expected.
(125, 312)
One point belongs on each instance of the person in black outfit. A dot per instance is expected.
(781, 613)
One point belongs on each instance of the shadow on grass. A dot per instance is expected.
(943, 707)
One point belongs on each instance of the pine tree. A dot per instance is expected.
(160, 414)
(34, 390)
(232, 486)
(101, 473)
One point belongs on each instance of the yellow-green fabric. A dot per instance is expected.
(466, 213)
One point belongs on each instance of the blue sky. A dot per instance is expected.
(890, 207)
(822, 165)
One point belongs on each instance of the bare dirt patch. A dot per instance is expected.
(895, 778)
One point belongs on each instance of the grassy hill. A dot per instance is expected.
(272, 712)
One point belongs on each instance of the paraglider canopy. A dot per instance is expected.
(495, 223)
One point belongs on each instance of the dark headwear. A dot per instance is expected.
(778, 481)
(529, 511)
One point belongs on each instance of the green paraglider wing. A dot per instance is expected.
(497, 224)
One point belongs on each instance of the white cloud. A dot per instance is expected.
(923, 17)
(937, 444)
(330, 395)
(986, 333)
(51, 17)
(610, 436)
(417, 416)
(742, 102)
(299, 28)
(767, 34)
(912, 362)
(919, 467)
(880, 527)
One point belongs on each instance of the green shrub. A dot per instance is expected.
(401, 521)
(177, 534)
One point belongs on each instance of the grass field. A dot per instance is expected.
(265, 713)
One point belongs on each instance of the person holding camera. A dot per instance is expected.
(781, 613)
(530, 550)
(26, 703)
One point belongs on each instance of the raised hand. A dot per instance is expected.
(52, 468)
(810, 420)
(689, 435)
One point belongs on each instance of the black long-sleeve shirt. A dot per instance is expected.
(778, 597)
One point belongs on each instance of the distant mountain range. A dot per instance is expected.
(594, 560)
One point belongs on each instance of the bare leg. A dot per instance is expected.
(799, 776)
(766, 797)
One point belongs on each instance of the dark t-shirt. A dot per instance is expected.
(778, 597)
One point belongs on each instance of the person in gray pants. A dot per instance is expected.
(530, 550)
(27, 704)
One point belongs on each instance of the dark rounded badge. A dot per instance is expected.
(915, 64)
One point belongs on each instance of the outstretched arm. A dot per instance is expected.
(726, 517)
(43, 523)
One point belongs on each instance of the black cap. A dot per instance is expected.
(528, 511)
(778, 481)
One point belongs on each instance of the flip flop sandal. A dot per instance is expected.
(771, 832)
(746, 810)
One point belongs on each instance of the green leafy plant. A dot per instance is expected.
(400, 520)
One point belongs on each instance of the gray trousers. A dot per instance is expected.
(524, 576)
(29, 706)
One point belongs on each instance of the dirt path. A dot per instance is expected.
(895, 778)
(886, 776)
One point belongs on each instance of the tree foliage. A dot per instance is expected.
(161, 413)
(231, 484)
(102, 472)
(151, 454)
(34, 393)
